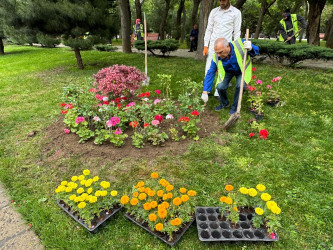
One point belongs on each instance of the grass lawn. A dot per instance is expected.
(295, 162)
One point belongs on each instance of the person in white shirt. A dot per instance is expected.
(224, 21)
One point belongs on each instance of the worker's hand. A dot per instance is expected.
(248, 45)
(289, 37)
(204, 97)
(205, 51)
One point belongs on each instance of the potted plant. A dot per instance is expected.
(273, 98)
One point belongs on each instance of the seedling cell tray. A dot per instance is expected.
(97, 223)
(162, 236)
(211, 227)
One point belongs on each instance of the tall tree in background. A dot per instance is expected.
(138, 9)
(312, 32)
(182, 36)
(239, 4)
(164, 19)
(125, 13)
(329, 29)
(195, 9)
(179, 19)
(263, 11)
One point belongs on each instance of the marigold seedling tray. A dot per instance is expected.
(212, 228)
(162, 236)
(99, 222)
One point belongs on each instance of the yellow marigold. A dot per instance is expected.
(147, 189)
(261, 187)
(228, 200)
(154, 175)
(105, 184)
(185, 198)
(114, 193)
(68, 189)
(80, 190)
(182, 190)
(96, 178)
(265, 197)
(142, 189)
(259, 211)
(62, 188)
(104, 193)
(160, 193)
(89, 182)
(151, 193)
(83, 182)
(235, 208)
(192, 193)
(159, 227)
(162, 213)
(153, 204)
(82, 198)
(84, 195)
(57, 190)
(89, 190)
(169, 195)
(140, 184)
(165, 204)
(271, 204)
(72, 197)
(135, 194)
(80, 178)
(229, 187)
(177, 201)
(64, 183)
(169, 187)
(98, 193)
(276, 210)
(142, 196)
(252, 192)
(92, 199)
(77, 199)
(74, 185)
(74, 178)
(71, 184)
(152, 217)
(86, 172)
(81, 205)
(222, 198)
(243, 190)
(124, 200)
(176, 222)
(147, 206)
(134, 201)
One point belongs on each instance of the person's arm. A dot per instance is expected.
(254, 49)
(302, 21)
(282, 32)
(209, 29)
(209, 78)
(237, 25)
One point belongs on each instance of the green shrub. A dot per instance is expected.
(105, 47)
(165, 46)
(47, 41)
(295, 53)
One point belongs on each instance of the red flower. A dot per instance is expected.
(118, 105)
(190, 106)
(105, 102)
(144, 94)
(263, 134)
(254, 69)
(117, 100)
(184, 119)
(253, 77)
(62, 104)
(251, 88)
(251, 135)
(158, 91)
(123, 98)
(195, 113)
(158, 117)
(134, 124)
(147, 94)
(64, 112)
(146, 125)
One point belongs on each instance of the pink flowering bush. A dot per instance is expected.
(118, 80)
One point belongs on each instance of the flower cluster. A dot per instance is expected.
(159, 203)
(87, 195)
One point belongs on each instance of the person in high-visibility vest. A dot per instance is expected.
(228, 62)
(138, 30)
(289, 26)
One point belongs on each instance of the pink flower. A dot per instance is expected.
(113, 121)
(269, 86)
(158, 91)
(79, 119)
(169, 116)
(251, 135)
(109, 123)
(130, 104)
(277, 79)
(99, 97)
(259, 82)
(251, 88)
(157, 101)
(92, 90)
(67, 131)
(158, 117)
(155, 122)
(258, 92)
(273, 237)
(96, 118)
(118, 131)
(263, 134)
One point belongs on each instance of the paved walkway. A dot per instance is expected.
(14, 233)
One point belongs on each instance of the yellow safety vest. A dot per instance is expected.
(239, 51)
(136, 31)
(295, 26)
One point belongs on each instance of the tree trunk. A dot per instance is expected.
(2, 48)
(164, 19)
(263, 10)
(205, 8)
(138, 10)
(312, 31)
(125, 14)
(195, 12)
(239, 4)
(179, 19)
(329, 33)
(306, 10)
(297, 6)
(182, 36)
(78, 58)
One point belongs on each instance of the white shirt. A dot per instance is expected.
(223, 23)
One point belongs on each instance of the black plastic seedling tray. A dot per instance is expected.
(97, 223)
(162, 236)
(212, 228)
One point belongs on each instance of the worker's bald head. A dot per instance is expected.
(222, 47)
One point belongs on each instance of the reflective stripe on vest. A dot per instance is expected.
(294, 23)
(239, 51)
(138, 30)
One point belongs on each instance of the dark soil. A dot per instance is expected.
(60, 145)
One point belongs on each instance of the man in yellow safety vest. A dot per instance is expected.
(289, 26)
(138, 30)
(228, 62)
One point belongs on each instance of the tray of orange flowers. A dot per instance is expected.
(160, 208)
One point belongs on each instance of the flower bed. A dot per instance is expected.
(116, 105)
(160, 208)
(87, 200)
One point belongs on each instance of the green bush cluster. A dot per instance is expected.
(105, 47)
(165, 46)
(295, 53)
(47, 41)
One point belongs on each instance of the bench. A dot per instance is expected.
(150, 36)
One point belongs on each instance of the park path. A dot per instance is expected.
(15, 234)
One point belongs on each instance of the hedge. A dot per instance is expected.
(165, 46)
(105, 47)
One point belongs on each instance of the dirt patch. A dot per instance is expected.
(48, 73)
(60, 145)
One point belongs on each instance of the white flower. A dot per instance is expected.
(96, 118)
(145, 99)
(169, 116)
(105, 99)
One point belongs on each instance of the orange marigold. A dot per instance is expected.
(163, 182)
(169, 187)
(177, 201)
(152, 217)
(142, 189)
(160, 207)
(229, 187)
(182, 190)
(142, 196)
(165, 197)
(151, 193)
(169, 195)
(235, 208)
(140, 184)
(147, 206)
(124, 200)
(185, 198)
(159, 227)
(160, 193)
(135, 194)
(147, 189)
(154, 175)
(153, 204)
(162, 213)
(165, 204)
(176, 222)
(228, 200)
(134, 201)
(222, 198)
(192, 193)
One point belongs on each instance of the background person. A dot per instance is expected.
(289, 26)
(194, 38)
(138, 30)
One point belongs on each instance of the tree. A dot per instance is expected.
(263, 10)
(179, 17)
(312, 32)
(329, 32)
(2, 47)
(196, 4)
(125, 13)
(239, 4)
(164, 19)
(138, 5)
